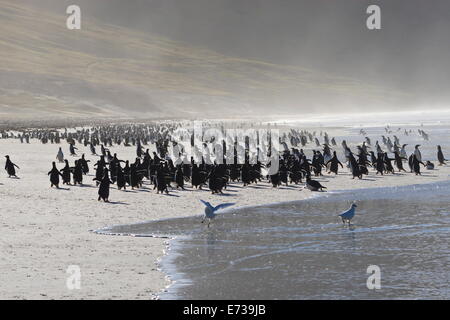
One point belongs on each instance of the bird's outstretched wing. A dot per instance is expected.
(223, 205)
(207, 204)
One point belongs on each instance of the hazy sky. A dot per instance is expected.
(411, 53)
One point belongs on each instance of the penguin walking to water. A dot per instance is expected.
(416, 165)
(417, 153)
(99, 170)
(77, 173)
(179, 177)
(334, 163)
(121, 181)
(54, 176)
(161, 184)
(84, 164)
(103, 190)
(403, 153)
(356, 172)
(92, 147)
(440, 156)
(65, 173)
(399, 161)
(314, 185)
(10, 167)
(60, 155)
(72, 149)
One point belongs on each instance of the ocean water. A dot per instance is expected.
(301, 250)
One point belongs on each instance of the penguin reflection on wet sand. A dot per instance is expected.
(10, 167)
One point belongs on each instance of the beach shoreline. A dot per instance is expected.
(47, 230)
(170, 241)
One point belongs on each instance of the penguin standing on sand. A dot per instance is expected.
(334, 163)
(179, 177)
(416, 165)
(77, 173)
(103, 190)
(92, 147)
(99, 170)
(84, 164)
(440, 156)
(161, 181)
(60, 155)
(356, 172)
(54, 176)
(72, 149)
(417, 153)
(65, 173)
(399, 161)
(403, 151)
(121, 182)
(10, 167)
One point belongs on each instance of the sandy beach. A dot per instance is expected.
(45, 230)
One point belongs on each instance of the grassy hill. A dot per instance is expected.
(104, 70)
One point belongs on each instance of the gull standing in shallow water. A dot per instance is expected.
(210, 210)
(349, 214)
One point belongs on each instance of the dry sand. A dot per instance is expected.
(45, 230)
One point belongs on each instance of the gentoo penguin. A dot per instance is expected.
(429, 165)
(416, 165)
(84, 164)
(378, 148)
(440, 156)
(399, 161)
(334, 163)
(354, 166)
(417, 153)
(65, 173)
(313, 185)
(403, 151)
(72, 149)
(54, 176)
(179, 177)
(121, 182)
(388, 164)
(9, 167)
(60, 155)
(161, 183)
(92, 147)
(103, 190)
(77, 173)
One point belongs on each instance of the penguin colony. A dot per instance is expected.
(295, 166)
